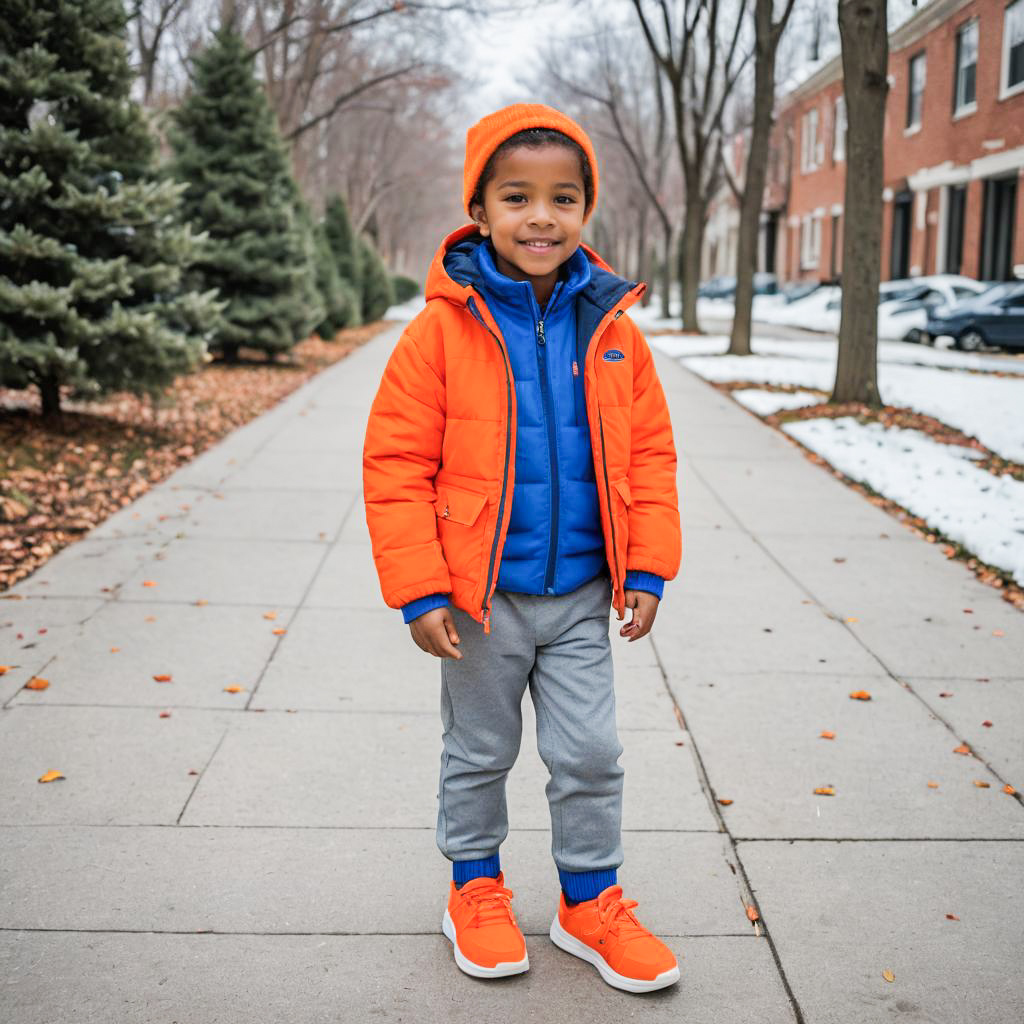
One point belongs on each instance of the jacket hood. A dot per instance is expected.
(453, 274)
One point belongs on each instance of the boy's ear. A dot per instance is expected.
(477, 212)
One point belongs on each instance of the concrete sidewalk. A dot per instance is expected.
(269, 856)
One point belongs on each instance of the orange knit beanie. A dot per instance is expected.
(491, 131)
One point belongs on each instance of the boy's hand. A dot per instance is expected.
(434, 632)
(645, 608)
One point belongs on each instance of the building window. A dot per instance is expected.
(1013, 48)
(809, 141)
(810, 240)
(965, 67)
(839, 130)
(915, 89)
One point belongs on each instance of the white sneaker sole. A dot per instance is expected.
(499, 970)
(561, 938)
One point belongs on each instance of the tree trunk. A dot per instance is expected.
(766, 46)
(49, 393)
(864, 32)
(666, 271)
(690, 252)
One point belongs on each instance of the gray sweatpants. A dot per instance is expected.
(559, 646)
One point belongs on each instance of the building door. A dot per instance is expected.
(771, 240)
(899, 262)
(956, 213)
(834, 249)
(1000, 212)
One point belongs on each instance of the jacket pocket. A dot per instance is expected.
(621, 484)
(456, 505)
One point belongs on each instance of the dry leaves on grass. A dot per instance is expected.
(57, 485)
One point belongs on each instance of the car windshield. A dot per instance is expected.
(997, 292)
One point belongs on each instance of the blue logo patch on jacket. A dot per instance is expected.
(613, 355)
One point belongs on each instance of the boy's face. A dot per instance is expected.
(533, 213)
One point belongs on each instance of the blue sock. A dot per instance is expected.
(466, 870)
(585, 885)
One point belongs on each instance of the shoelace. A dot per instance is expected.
(617, 913)
(490, 904)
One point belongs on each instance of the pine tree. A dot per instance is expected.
(338, 295)
(92, 247)
(314, 306)
(345, 246)
(378, 292)
(240, 190)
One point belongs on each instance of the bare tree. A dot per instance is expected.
(767, 33)
(863, 27)
(701, 58)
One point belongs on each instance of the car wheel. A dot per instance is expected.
(914, 336)
(970, 341)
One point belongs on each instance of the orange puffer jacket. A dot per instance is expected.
(439, 452)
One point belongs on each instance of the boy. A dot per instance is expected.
(519, 476)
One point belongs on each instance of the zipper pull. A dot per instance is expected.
(540, 332)
(487, 621)
(575, 369)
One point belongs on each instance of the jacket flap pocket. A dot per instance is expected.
(621, 484)
(457, 505)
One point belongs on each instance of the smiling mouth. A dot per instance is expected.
(538, 246)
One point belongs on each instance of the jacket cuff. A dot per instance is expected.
(649, 581)
(416, 608)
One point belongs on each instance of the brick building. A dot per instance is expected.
(954, 153)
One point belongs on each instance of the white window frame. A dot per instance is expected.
(922, 56)
(965, 108)
(809, 141)
(839, 127)
(1006, 90)
(810, 240)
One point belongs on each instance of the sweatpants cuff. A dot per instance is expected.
(466, 870)
(586, 885)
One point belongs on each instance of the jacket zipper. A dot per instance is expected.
(549, 572)
(486, 612)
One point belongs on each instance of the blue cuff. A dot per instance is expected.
(416, 608)
(649, 581)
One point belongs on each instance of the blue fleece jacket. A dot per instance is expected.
(554, 543)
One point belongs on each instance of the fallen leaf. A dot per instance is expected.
(825, 791)
(860, 695)
(270, 615)
(201, 601)
(151, 618)
(149, 583)
(114, 650)
(279, 631)
(998, 632)
(933, 785)
(165, 714)
(4, 668)
(981, 784)
(888, 975)
(35, 683)
(952, 917)
(851, 618)
(987, 724)
(164, 678)
(826, 734)
(724, 801)
(1009, 789)
(234, 688)
(752, 914)
(50, 776)
(945, 693)
(962, 749)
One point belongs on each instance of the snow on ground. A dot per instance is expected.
(981, 405)
(982, 511)
(407, 310)
(764, 403)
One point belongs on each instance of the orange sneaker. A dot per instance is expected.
(484, 930)
(605, 933)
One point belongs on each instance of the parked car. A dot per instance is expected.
(903, 316)
(995, 317)
(718, 288)
(798, 290)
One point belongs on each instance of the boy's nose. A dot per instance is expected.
(540, 213)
